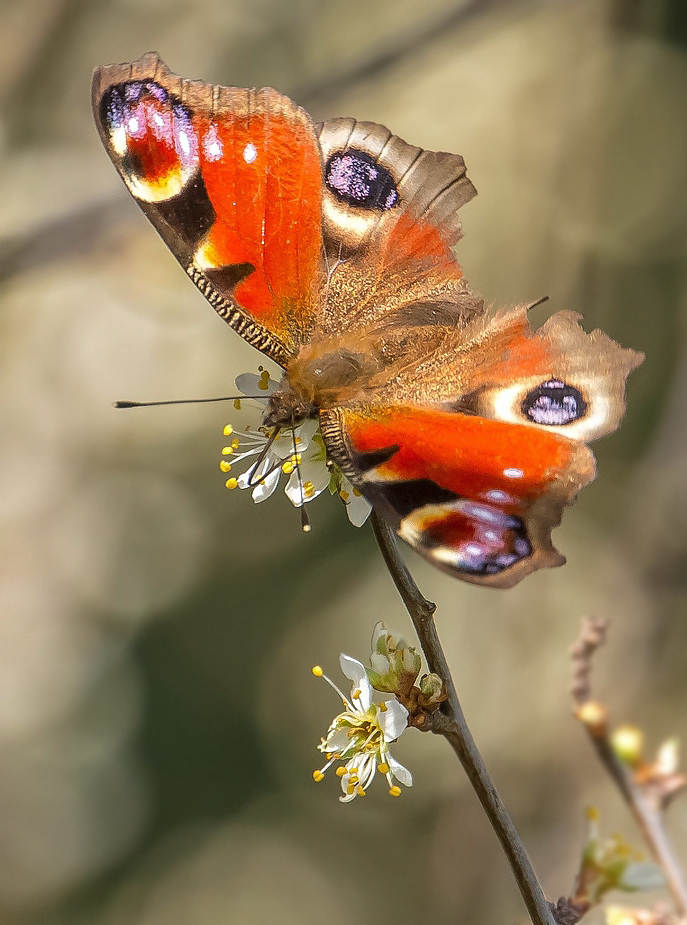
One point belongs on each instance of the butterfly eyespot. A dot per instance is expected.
(554, 403)
(356, 178)
(153, 135)
(468, 536)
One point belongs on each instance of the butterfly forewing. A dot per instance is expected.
(231, 179)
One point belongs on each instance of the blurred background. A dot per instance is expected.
(158, 718)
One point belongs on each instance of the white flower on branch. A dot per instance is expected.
(295, 452)
(360, 737)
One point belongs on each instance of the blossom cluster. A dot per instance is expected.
(295, 452)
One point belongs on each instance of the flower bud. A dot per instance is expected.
(628, 744)
(432, 688)
(394, 665)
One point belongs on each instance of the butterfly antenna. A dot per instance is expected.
(180, 401)
(252, 481)
(306, 526)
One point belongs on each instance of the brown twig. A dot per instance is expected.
(450, 722)
(646, 811)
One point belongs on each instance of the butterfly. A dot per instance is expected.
(329, 248)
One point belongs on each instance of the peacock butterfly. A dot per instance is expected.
(328, 247)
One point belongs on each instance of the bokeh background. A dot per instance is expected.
(158, 718)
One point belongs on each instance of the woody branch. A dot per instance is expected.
(647, 801)
(450, 722)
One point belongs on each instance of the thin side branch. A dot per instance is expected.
(646, 811)
(451, 724)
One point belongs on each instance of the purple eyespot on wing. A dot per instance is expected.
(357, 179)
(554, 404)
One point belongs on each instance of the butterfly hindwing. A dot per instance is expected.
(390, 218)
(473, 460)
(231, 179)
(476, 497)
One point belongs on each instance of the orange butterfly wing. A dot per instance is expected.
(231, 178)
(472, 459)
(476, 497)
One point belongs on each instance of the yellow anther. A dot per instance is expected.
(360, 791)
(357, 493)
(383, 707)
(298, 440)
(287, 468)
(344, 495)
(296, 458)
(264, 382)
(235, 443)
(317, 671)
(228, 430)
(356, 693)
(225, 466)
(308, 489)
(227, 450)
(340, 772)
(350, 790)
(395, 791)
(317, 776)
(354, 779)
(592, 813)
(231, 484)
(383, 767)
(237, 404)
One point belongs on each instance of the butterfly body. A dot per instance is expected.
(329, 248)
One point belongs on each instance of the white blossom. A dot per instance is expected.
(360, 737)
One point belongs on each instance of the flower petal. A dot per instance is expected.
(250, 477)
(253, 386)
(379, 631)
(358, 508)
(307, 430)
(379, 663)
(263, 484)
(399, 772)
(283, 444)
(394, 720)
(355, 672)
(338, 741)
(352, 669)
(266, 486)
(312, 473)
